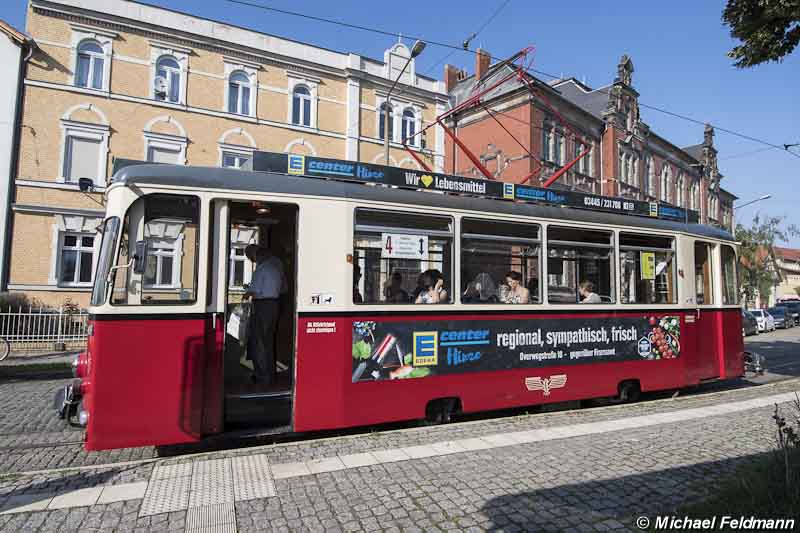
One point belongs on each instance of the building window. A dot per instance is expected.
(382, 122)
(665, 183)
(85, 148)
(168, 80)
(301, 106)
(165, 148)
(623, 167)
(234, 160)
(89, 71)
(409, 127)
(241, 269)
(239, 93)
(679, 190)
(584, 163)
(164, 154)
(650, 176)
(547, 137)
(161, 269)
(76, 258)
(558, 146)
(695, 195)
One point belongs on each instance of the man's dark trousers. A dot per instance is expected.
(261, 343)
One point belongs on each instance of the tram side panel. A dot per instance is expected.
(150, 388)
(349, 376)
(731, 355)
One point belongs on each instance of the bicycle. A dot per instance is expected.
(5, 348)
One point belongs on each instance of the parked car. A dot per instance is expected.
(782, 316)
(793, 307)
(764, 319)
(749, 324)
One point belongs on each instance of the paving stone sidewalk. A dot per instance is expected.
(555, 482)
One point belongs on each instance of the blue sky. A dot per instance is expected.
(678, 50)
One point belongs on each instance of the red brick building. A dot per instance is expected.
(626, 158)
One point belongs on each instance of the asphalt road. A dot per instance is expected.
(782, 349)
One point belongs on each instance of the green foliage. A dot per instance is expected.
(361, 350)
(756, 257)
(17, 300)
(768, 29)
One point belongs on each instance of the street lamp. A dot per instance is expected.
(765, 197)
(416, 50)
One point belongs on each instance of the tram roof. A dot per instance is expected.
(193, 177)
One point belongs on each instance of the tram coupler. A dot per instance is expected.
(67, 399)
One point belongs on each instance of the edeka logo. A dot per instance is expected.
(296, 164)
(426, 348)
(508, 191)
(335, 168)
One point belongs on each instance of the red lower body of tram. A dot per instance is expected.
(155, 381)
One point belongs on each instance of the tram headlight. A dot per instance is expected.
(80, 366)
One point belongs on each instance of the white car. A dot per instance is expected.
(764, 320)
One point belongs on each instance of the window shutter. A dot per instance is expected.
(82, 159)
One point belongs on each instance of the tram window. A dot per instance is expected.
(489, 251)
(702, 273)
(393, 250)
(647, 269)
(170, 231)
(576, 258)
(730, 291)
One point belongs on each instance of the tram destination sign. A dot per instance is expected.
(339, 169)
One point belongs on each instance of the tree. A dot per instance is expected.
(768, 29)
(757, 271)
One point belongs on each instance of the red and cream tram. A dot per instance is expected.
(352, 346)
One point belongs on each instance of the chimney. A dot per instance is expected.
(482, 60)
(451, 77)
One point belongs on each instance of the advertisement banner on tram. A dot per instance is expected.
(320, 167)
(400, 350)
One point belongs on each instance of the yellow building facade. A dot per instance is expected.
(114, 79)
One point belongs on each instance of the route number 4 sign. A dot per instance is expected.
(401, 246)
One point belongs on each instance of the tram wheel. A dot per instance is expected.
(630, 391)
(440, 410)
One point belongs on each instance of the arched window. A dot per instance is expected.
(168, 69)
(301, 106)
(694, 196)
(239, 93)
(679, 190)
(382, 122)
(409, 126)
(665, 183)
(89, 67)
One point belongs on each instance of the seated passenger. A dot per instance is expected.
(481, 289)
(432, 288)
(516, 293)
(588, 296)
(394, 293)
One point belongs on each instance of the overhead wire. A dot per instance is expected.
(527, 69)
(471, 36)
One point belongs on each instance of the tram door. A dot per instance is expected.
(259, 365)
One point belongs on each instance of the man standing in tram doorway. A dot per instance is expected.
(267, 284)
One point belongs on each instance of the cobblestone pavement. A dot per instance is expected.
(591, 482)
